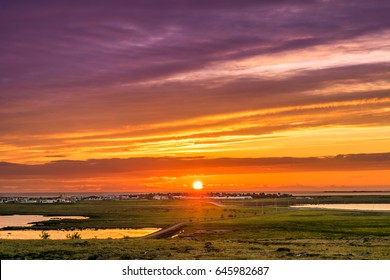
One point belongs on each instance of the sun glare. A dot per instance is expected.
(197, 185)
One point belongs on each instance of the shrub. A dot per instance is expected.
(75, 235)
(44, 235)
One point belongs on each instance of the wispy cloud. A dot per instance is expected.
(216, 79)
(105, 167)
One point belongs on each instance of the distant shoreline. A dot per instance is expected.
(293, 193)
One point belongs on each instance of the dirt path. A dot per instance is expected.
(217, 204)
(166, 231)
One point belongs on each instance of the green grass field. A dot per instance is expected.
(261, 229)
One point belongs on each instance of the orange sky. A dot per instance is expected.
(109, 101)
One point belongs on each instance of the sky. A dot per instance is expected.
(149, 96)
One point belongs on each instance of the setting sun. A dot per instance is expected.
(197, 185)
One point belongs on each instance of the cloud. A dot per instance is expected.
(97, 78)
(181, 166)
(149, 105)
(85, 43)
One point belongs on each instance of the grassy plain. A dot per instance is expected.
(258, 229)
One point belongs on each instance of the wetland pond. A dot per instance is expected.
(351, 206)
(28, 220)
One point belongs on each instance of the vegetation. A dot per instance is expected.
(74, 235)
(258, 229)
(44, 235)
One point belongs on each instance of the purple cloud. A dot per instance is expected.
(89, 65)
(78, 43)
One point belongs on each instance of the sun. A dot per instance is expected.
(197, 185)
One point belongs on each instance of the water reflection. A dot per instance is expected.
(85, 234)
(28, 220)
(357, 206)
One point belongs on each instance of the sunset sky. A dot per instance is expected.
(152, 95)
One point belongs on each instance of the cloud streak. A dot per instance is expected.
(104, 167)
(152, 79)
